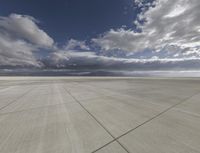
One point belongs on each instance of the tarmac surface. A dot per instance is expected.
(99, 115)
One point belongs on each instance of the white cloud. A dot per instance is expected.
(170, 22)
(176, 11)
(120, 39)
(19, 38)
(171, 31)
(73, 44)
(25, 27)
(85, 60)
(66, 55)
(16, 53)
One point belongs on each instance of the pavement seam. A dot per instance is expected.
(51, 105)
(154, 117)
(15, 100)
(158, 115)
(40, 107)
(114, 139)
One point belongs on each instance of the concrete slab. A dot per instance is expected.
(191, 106)
(164, 96)
(40, 96)
(161, 91)
(121, 116)
(87, 114)
(54, 129)
(174, 132)
(10, 94)
(82, 93)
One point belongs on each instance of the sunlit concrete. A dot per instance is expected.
(99, 114)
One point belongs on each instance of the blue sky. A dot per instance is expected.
(100, 34)
(77, 19)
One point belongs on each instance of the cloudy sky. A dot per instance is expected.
(92, 35)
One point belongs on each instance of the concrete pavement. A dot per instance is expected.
(99, 114)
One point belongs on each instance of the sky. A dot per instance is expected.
(96, 35)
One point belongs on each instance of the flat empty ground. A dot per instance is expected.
(102, 115)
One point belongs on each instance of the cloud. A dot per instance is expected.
(169, 39)
(16, 53)
(167, 23)
(119, 39)
(89, 60)
(75, 59)
(75, 44)
(25, 27)
(20, 37)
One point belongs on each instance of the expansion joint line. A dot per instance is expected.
(158, 115)
(114, 139)
(154, 117)
(15, 100)
(147, 121)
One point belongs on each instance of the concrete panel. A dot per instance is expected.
(42, 115)
(10, 94)
(191, 106)
(121, 116)
(54, 129)
(40, 96)
(173, 132)
(82, 92)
